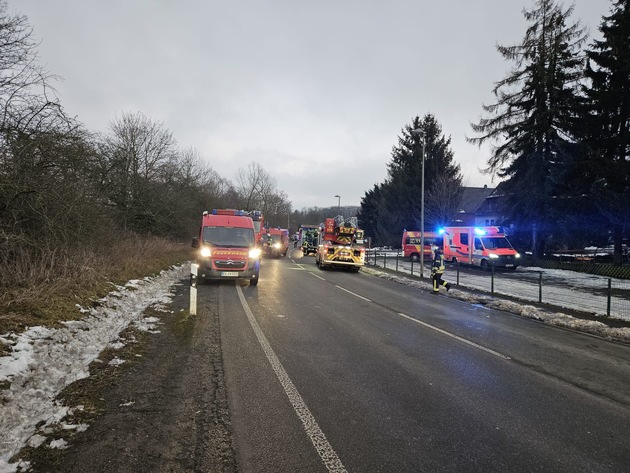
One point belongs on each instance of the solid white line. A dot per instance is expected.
(324, 449)
(444, 332)
(354, 294)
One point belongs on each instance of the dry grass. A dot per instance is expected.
(43, 287)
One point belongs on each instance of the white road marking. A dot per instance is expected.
(354, 294)
(318, 277)
(452, 335)
(324, 449)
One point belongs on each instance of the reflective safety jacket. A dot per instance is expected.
(438, 263)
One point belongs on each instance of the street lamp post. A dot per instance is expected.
(338, 204)
(420, 133)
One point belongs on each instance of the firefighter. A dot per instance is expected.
(437, 270)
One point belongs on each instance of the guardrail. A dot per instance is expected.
(587, 293)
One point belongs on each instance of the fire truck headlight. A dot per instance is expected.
(517, 255)
(205, 252)
(277, 245)
(493, 256)
(254, 253)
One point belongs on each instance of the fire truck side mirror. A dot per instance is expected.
(195, 242)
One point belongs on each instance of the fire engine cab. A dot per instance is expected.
(227, 246)
(277, 242)
(259, 225)
(479, 246)
(340, 245)
(412, 242)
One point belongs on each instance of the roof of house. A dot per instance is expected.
(473, 198)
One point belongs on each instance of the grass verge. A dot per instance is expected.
(48, 288)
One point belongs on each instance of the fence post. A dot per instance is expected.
(540, 286)
(412, 266)
(609, 297)
(397, 255)
(492, 279)
(457, 266)
(385, 260)
(193, 288)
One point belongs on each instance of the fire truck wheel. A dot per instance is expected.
(254, 281)
(484, 265)
(415, 258)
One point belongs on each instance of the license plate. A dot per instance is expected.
(509, 265)
(228, 274)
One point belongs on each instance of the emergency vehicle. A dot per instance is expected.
(309, 236)
(259, 225)
(412, 241)
(340, 245)
(479, 246)
(227, 246)
(277, 242)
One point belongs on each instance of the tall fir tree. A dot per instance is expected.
(532, 125)
(405, 175)
(606, 168)
(396, 204)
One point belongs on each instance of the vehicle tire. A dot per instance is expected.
(484, 265)
(254, 281)
(414, 257)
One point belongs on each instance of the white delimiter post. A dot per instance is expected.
(193, 288)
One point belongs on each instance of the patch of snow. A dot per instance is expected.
(115, 361)
(44, 361)
(59, 443)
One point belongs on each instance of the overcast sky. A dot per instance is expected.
(316, 92)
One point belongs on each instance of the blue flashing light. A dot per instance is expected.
(441, 231)
(238, 213)
(479, 231)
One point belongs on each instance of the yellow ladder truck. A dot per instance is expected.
(340, 245)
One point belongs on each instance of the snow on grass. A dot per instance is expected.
(43, 361)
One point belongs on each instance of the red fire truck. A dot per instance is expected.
(227, 247)
(412, 241)
(479, 246)
(340, 245)
(277, 243)
(259, 225)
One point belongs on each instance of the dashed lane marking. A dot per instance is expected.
(456, 337)
(353, 293)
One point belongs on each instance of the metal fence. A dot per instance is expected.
(588, 293)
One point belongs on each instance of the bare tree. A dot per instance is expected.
(254, 186)
(27, 99)
(138, 150)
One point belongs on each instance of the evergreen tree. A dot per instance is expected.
(369, 213)
(405, 176)
(607, 164)
(533, 122)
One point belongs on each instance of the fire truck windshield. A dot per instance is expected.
(230, 237)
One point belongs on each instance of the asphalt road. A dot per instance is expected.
(329, 370)
(315, 371)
